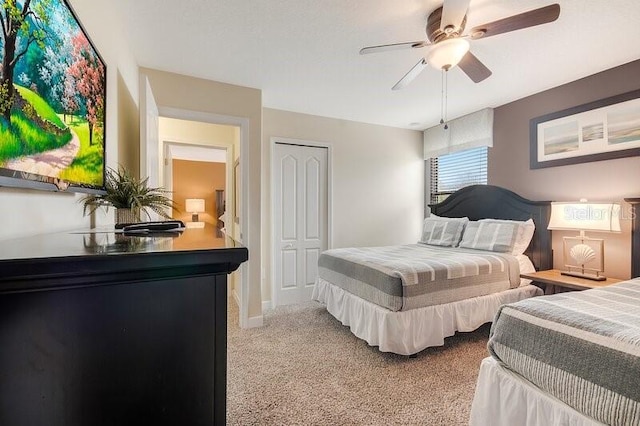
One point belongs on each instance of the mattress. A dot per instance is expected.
(412, 276)
(580, 347)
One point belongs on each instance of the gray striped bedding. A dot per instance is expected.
(581, 347)
(406, 277)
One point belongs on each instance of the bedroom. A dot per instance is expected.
(390, 179)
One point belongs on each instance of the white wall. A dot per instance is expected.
(29, 212)
(378, 181)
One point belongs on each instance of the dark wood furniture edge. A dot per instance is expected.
(635, 236)
(493, 202)
(87, 271)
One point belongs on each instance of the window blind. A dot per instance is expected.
(451, 172)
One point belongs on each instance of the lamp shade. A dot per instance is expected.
(447, 53)
(597, 217)
(194, 205)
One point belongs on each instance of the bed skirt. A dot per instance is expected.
(409, 332)
(504, 398)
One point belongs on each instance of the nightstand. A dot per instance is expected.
(553, 279)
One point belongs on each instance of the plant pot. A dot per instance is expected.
(127, 216)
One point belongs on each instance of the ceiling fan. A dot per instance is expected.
(448, 45)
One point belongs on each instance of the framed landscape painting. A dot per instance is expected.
(52, 99)
(601, 130)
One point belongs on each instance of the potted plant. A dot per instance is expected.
(129, 196)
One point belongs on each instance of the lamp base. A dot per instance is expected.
(585, 276)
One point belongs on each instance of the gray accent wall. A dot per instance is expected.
(610, 180)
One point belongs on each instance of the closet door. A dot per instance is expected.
(300, 214)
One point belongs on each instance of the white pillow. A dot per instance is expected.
(502, 236)
(443, 231)
(524, 233)
(526, 267)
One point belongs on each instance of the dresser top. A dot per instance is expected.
(109, 242)
(86, 258)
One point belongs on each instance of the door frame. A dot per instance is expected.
(246, 235)
(312, 144)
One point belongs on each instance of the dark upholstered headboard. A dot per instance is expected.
(492, 202)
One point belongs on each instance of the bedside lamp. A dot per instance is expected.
(584, 256)
(194, 206)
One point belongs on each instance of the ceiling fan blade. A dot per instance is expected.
(395, 46)
(453, 13)
(517, 22)
(411, 75)
(472, 67)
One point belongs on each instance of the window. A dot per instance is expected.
(450, 172)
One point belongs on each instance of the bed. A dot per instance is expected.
(381, 294)
(571, 358)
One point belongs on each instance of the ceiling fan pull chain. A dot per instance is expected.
(442, 97)
(446, 98)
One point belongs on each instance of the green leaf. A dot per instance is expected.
(125, 191)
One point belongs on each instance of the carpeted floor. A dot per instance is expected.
(305, 368)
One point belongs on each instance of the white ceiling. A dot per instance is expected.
(303, 54)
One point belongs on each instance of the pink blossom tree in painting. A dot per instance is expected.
(88, 73)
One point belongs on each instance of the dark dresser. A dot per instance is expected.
(112, 329)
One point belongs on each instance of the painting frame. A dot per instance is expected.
(73, 87)
(586, 123)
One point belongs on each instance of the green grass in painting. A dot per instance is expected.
(10, 145)
(23, 137)
(41, 106)
(87, 166)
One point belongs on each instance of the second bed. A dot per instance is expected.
(404, 299)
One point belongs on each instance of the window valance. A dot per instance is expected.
(469, 131)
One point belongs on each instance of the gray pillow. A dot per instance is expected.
(490, 235)
(443, 231)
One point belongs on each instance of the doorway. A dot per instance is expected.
(196, 173)
(300, 214)
(204, 142)
(151, 164)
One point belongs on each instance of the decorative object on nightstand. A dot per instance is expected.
(584, 256)
(194, 206)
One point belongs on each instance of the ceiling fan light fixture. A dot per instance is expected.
(447, 53)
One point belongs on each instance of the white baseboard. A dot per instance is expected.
(234, 293)
(266, 305)
(254, 322)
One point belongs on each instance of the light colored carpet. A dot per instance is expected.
(305, 368)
